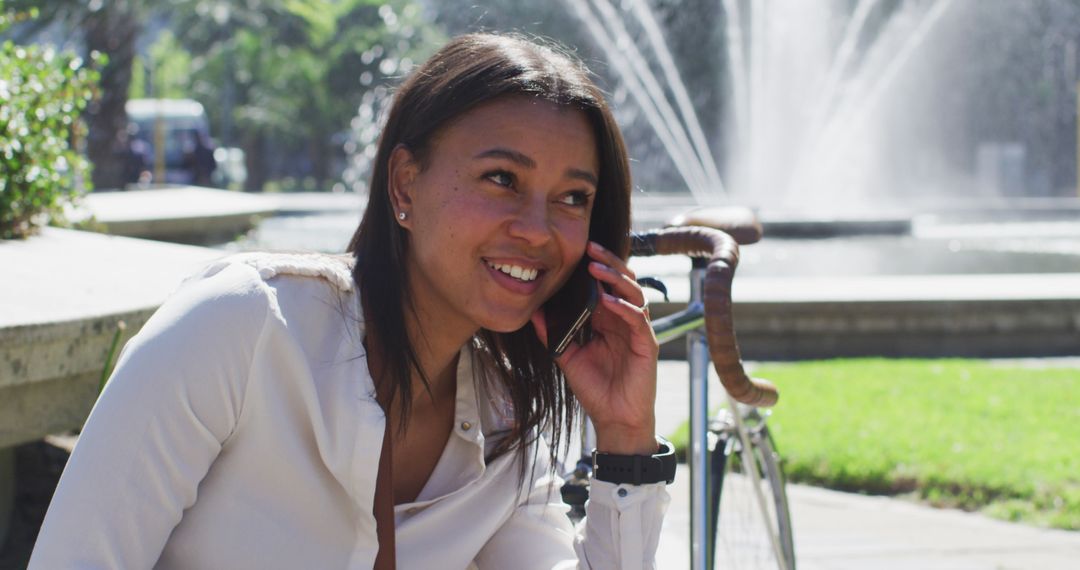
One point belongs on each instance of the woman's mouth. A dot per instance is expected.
(516, 277)
(518, 272)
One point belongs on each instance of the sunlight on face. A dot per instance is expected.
(499, 215)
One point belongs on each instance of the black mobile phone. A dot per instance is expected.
(567, 312)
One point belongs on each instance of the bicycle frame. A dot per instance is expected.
(707, 325)
(688, 323)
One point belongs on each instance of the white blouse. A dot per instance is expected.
(240, 430)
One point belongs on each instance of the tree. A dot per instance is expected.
(164, 71)
(109, 28)
(280, 78)
(294, 73)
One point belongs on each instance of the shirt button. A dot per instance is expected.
(466, 426)
(623, 492)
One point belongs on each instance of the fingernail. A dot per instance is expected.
(596, 247)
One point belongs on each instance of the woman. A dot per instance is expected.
(275, 409)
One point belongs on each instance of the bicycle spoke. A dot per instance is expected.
(753, 528)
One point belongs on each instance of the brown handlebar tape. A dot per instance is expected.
(723, 254)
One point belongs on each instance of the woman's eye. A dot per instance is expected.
(500, 177)
(579, 198)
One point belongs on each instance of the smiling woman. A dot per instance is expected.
(388, 409)
(506, 192)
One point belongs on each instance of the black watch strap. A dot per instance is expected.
(636, 469)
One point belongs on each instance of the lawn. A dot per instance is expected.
(1000, 438)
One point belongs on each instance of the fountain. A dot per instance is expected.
(811, 104)
(801, 102)
(848, 104)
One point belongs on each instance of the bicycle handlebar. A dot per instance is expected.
(740, 223)
(722, 252)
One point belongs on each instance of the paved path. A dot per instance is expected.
(841, 531)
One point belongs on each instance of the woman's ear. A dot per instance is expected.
(403, 170)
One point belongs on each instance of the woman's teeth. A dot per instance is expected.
(516, 271)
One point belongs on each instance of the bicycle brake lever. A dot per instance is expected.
(654, 283)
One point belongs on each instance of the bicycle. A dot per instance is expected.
(739, 510)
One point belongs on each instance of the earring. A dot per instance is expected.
(401, 216)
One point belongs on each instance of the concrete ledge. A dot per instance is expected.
(184, 214)
(309, 203)
(31, 411)
(61, 300)
(52, 372)
(33, 353)
(63, 275)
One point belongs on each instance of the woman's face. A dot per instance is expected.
(499, 215)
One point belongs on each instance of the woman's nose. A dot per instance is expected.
(531, 223)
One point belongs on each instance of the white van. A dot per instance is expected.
(177, 126)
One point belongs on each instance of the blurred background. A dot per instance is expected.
(858, 100)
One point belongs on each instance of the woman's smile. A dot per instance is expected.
(518, 277)
(525, 272)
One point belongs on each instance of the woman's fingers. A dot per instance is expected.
(609, 269)
(637, 318)
(623, 301)
(601, 254)
(619, 284)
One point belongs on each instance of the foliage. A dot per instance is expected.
(165, 74)
(42, 94)
(282, 79)
(958, 433)
(287, 76)
(383, 62)
(110, 28)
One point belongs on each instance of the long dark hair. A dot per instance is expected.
(467, 72)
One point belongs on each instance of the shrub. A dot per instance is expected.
(42, 95)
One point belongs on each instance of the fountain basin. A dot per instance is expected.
(981, 279)
(1018, 315)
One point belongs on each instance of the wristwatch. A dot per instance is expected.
(636, 469)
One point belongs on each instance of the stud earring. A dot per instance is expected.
(401, 216)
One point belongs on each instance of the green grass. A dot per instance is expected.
(1000, 439)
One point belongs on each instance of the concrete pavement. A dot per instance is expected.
(842, 531)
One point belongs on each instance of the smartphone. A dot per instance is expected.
(567, 312)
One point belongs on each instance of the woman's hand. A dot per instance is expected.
(614, 374)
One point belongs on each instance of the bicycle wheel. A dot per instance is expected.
(751, 522)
